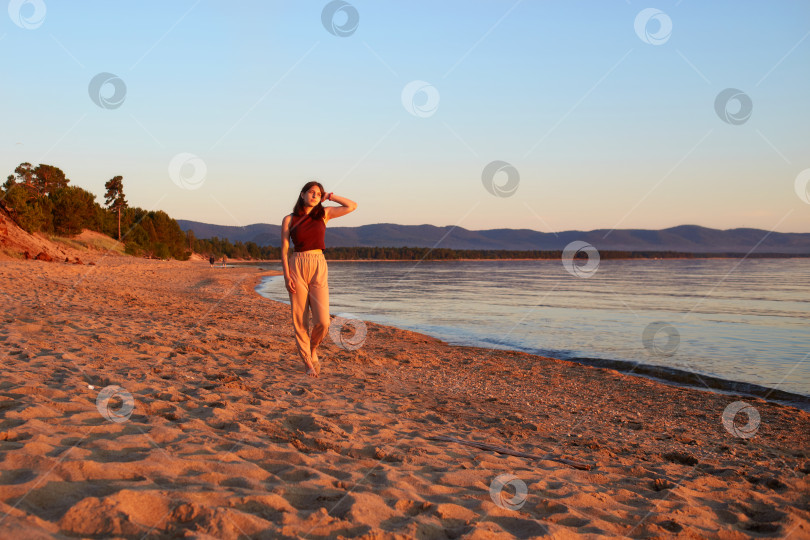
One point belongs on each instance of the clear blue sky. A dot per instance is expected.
(604, 128)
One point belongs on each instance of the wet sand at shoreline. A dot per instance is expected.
(227, 437)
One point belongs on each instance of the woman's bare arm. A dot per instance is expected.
(346, 206)
(285, 248)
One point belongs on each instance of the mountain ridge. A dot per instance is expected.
(681, 238)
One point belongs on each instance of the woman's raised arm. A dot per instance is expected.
(346, 206)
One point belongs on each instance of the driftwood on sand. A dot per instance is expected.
(510, 452)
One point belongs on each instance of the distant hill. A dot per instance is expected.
(684, 238)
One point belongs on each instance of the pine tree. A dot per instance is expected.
(114, 198)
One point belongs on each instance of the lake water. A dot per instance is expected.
(738, 320)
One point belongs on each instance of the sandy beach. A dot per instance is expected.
(153, 399)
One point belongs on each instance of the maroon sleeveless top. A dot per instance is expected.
(307, 233)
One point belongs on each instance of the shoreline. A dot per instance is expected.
(238, 262)
(663, 374)
(699, 381)
(219, 432)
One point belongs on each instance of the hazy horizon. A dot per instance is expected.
(340, 224)
(547, 116)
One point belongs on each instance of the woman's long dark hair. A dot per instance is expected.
(317, 212)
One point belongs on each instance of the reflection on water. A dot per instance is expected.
(740, 320)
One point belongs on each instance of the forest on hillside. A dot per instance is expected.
(41, 199)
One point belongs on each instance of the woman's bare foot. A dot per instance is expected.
(312, 371)
(315, 363)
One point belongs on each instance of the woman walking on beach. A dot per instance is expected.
(305, 272)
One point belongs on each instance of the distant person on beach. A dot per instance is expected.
(223, 261)
(305, 272)
(211, 260)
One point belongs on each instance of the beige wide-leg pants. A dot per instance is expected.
(310, 274)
